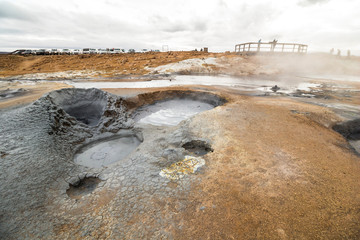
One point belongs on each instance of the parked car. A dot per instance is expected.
(54, 51)
(19, 51)
(66, 51)
(131, 50)
(27, 52)
(40, 52)
(115, 50)
(102, 51)
(76, 52)
(86, 51)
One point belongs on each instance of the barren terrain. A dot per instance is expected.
(276, 169)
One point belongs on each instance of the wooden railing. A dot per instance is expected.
(259, 47)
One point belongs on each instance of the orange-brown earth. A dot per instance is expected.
(274, 174)
(11, 65)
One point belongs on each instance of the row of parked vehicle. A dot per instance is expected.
(78, 51)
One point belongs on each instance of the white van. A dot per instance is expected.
(102, 51)
(76, 52)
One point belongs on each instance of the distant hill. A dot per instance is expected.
(5, 52)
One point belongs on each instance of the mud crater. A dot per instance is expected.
(198, 147)
(171, 107)
(87, 106)
(106, 151)
(88, 112)
(350, 130)
(72, 111)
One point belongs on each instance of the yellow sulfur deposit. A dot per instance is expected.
(179, 169)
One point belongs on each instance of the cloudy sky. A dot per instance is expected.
(182, 25)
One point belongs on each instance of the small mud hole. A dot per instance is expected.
(106, 151)
(351, 131)
(83, 187)
(170, 112)
(198, 147)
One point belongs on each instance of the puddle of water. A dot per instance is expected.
(182, 80)
(259, 85)
(107, 151)
(170, 112)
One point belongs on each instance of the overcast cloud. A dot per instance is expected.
(182, 25)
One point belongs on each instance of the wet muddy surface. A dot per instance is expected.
(170, 112)
(106, 151)
(11, 93)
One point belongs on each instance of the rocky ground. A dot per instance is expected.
(274, 167)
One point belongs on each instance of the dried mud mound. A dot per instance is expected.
(87, 108)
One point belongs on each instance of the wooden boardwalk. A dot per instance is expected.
(270, 47)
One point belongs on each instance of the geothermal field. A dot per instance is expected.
(180, 145)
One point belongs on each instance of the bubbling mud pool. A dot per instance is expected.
(170, 112)
(106, 151)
